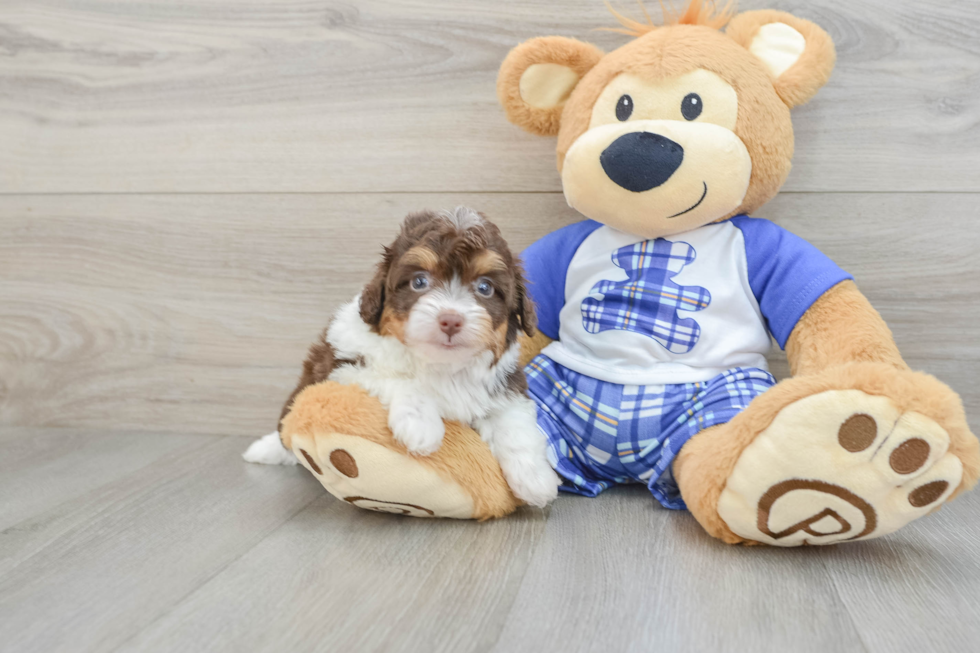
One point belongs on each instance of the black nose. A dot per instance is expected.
(639, 161)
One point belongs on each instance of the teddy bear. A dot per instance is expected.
(656, 311)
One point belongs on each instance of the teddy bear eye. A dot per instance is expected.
(624, 108)
(691, 106)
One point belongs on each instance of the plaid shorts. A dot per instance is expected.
(604, 433)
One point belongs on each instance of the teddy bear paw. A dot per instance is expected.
(836, 466)
(376, 477)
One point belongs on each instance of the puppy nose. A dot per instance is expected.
(450, 323)
(639, 161)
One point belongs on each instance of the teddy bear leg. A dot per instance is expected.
(853, 453)
(340, 434)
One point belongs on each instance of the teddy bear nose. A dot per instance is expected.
(639, 161)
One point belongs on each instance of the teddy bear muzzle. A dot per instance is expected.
(655, 178)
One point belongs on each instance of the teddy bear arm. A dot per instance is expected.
(841, 327)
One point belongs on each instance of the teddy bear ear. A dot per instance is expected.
(538, 76)
(798, 54)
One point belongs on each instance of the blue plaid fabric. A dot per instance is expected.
(603, 433)
(647, 302)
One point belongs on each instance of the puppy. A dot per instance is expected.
(434, 336)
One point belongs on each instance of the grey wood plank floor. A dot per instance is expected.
(172, 544)
(187, 190)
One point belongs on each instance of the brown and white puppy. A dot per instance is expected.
(434, 336)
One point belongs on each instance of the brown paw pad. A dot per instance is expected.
(898, 447)
(857, 433)
(909, 456)
(344, 463)
(313, 465)
(928, 493)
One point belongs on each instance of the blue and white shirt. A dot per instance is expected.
(672, 310)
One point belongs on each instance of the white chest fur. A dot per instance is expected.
(464, 392)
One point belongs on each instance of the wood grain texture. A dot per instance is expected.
(87, 572)
(193, 313)
(355, 580)
(915, 590)
(40, 467)
(376, 95)
(645, 579)
(186, 547)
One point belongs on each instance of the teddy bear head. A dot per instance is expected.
(682, 126)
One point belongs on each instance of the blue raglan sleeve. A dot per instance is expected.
(786, 273)
(545, 268)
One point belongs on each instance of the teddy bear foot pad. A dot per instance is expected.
(370, 476)
(837, 466)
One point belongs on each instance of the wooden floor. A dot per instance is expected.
(187, 189)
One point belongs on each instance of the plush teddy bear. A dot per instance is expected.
(655, 313)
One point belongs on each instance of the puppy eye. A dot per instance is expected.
(484, 288)
(420, 282)
(624, 108)
(691, 106)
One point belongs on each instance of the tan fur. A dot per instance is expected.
(575, 55)
(392, 324)
(499, 340)
(423, 257)
(763, 124)
(842, 327)
(804, 78)
(484, 263)
(463, 457)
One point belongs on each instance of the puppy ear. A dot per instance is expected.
(526, 316)
(538, 76)
(373, 295)
(797, 53)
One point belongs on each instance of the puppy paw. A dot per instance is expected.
(417, 426)
(532, 480)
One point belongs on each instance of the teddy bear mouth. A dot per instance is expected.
(696, 204)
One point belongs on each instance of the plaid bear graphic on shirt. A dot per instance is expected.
(648, 300)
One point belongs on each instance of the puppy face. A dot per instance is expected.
(449, 289)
